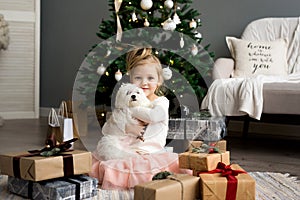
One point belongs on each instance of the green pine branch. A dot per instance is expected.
(194, 73)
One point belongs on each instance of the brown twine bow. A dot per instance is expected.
(205, 148)
(170, 176)
(180, 182)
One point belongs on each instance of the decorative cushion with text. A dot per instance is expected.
(257, 57)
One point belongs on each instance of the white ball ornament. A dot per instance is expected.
(118, 75)
(146, 4)
(146, 23)
(101, 69)
(193, 24)
(169, 25)
(169, 4)
(167, 73)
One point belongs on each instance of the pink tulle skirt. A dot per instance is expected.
(126, 173)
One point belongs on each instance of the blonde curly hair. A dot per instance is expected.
(140, 56)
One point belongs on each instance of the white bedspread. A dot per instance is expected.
(240, 96)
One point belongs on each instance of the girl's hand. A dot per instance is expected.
(143, 123)
(135, 129)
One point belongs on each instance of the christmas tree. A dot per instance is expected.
(171, 28)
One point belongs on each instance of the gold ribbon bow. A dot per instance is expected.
(119, 27)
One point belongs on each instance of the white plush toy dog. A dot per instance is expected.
(113, 143)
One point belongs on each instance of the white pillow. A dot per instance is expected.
(257, 57)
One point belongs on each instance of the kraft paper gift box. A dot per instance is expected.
(175, 187)
(38, 168)
(77, 187)
(215, 186)
(221, 145)
(202, 161)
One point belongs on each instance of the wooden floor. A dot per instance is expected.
(256, 153)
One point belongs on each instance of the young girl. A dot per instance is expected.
(145, 71)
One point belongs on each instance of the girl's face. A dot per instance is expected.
(145, 76)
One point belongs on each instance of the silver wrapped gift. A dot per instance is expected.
(75, 188)
(85, 186)
(53, 189)
(19, 186)
(206, 129)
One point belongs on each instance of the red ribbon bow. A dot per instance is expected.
(230, 174)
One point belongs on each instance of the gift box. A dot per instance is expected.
(202, 161)
(177, 187)
(85, 186)
(77, 187)
(215, 186)
(36, 168)
(53, 189)
(198, 128)
(19, 186)
(220, 145)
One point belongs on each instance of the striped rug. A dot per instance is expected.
(276, 186)
(269, 186)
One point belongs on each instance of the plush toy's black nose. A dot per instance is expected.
(133, 97)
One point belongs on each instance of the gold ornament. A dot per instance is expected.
(146, 23)
(193, 24)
